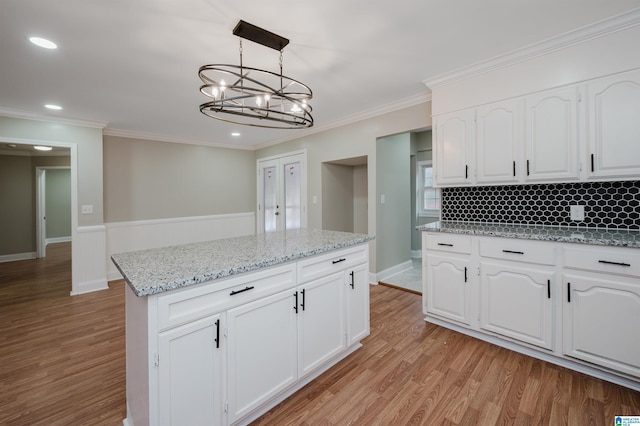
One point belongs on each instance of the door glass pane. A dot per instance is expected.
(292, 194)
(270, 199)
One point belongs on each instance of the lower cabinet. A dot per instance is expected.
(601, 319)
(516, 302)
(357, 289)
(447, 280)
(189, 376)
(262, 352)
(577, 305)
(321, 317)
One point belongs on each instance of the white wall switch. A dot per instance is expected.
(381, 198)
(87, 209)
(577, 212)
(315, 199)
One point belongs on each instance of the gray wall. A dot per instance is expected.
(348, 141)
(89, 161)
(146, 179)
(58, 203)
(18, 201)
(337, 196)
(421, 150)
(393, 233)
(360, 199)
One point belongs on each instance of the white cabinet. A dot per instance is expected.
(499, 141)
(453, 150)
(262, 352)
(515, 301)
(602, 306)
(614, 126)
(601, 320)
(357, 285)
(580, 132)
(447, 295)
(322, 321)
(551, 135)
(190, 374)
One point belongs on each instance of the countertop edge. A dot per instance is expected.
(223, 273)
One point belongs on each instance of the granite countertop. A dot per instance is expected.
(158, 270)
(607, 237)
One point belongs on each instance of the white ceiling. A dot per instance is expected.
(133, 64)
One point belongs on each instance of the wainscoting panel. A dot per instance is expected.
(147, 234)
(87, 268)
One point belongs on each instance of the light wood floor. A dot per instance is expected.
(62, 358)
(62, 363)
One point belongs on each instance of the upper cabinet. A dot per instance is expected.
(551, 135)
(614, 126)
(581, 132)
(499, 136)
(453, 152)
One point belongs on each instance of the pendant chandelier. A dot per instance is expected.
(252, 96)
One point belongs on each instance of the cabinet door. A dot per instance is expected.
(447, 281)
(516, 302)
(614, 126)
(499, 140)
(189, 374)
(262, 351)
(453, 148)
(551, 135)
(321, 321)
(357, 285)
(601, 318)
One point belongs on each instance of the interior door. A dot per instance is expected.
(281, 193)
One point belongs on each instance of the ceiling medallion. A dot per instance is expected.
(252, 96)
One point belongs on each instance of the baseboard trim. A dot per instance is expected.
(389, 272)
(57, 240)
(90, 287)
(18, 256)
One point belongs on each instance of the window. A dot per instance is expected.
(428, 201)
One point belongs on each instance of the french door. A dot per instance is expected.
(282, 193)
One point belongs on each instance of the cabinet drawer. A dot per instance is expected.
(518, 250)
(611, 260)
(325, 264)
(181, 306)
(447, 242)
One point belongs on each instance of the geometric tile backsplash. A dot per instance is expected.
(607, 204)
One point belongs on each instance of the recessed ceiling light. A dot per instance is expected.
(42, 148)
(235, 134)
(43, 42)
(52, 106)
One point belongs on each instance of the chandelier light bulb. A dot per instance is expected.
(259, 101)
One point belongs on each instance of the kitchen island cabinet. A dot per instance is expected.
(219, 332)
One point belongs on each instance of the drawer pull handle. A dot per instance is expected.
(234, 292)
(445, 244)
(339, 260)
(512, 251)
(614, 263)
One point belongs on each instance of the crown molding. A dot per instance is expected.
(370, 113)
(580, 35)
(26, 115)
(161, 138)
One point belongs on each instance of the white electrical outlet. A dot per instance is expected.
(87, 209)
(577, 213)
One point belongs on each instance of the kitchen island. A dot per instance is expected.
(218, 332)
(570, 296)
